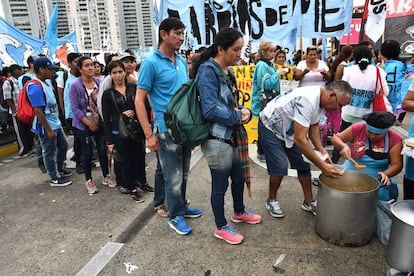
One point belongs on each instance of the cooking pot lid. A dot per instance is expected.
(404, 210)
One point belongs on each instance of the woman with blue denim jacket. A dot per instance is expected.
(216, 83)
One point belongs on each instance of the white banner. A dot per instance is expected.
(375, 26)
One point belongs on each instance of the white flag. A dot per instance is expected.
(375, 25)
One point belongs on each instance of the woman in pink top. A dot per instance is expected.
(373, 144)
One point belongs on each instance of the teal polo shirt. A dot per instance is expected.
(161, 78)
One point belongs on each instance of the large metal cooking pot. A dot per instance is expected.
(400, 251)
(345, 213)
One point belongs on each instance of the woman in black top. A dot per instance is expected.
(131, 151)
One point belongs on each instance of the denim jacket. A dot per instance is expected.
(217, 102)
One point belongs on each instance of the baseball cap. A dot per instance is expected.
(44, 62)
(127, 55)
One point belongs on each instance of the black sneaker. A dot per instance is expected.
(145, 187)
(136, 196)
(60, 182)
(65, 173)
(124, 190)
(79, 169)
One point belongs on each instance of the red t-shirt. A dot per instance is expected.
(358, 143)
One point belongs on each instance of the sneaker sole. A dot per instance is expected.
(230, 242)
(178, 231)
(60, 185)
(307, 210)
(192, 216)
(249, 222)
(276, 215)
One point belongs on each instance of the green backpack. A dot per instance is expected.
(183, 117)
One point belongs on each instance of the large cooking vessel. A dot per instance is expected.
(400, 251)
(345, 213)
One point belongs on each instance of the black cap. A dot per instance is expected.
(379, 119)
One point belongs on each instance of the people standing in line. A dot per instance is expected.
(396, 72)
(216, 84)
(98, 70)
(312, 71)
(161, 74)
(46, 124)
(23, 131)
(63, 83)
(30, 74)
(362, 76)
(285, 125)
(122, 95)
(265, 83)
(86, 122)
(129, 62)
(408, 183)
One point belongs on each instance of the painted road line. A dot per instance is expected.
(8, 149)
(99, 261)
(102, 258)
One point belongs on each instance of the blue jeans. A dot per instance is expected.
(159, 185)
(224, 162)
(132, 154)
(175, 164)
(54, 152)
(85, 137)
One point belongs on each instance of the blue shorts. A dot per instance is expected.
(277, 155)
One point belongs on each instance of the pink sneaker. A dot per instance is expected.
(92, 189)
(246, 216)
(229, 234)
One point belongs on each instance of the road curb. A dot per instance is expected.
(8, 149)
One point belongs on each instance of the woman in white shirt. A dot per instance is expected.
(312, 71)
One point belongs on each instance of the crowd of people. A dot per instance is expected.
(92, 102)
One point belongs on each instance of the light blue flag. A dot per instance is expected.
(16, 46)
(70, 40)
(51, 35)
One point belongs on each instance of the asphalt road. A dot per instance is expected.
(64, 231)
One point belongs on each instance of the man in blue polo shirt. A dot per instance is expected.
(161, 74)
(46, 124)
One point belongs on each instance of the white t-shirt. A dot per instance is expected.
(302, 105)
(363, 86)
(313, 77)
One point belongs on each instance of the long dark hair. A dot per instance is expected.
(346, 52)
(362, 56)
(225, 38)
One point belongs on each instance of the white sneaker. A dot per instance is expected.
(309, 207)
(90, 186)
(274, 209)
(109, 181)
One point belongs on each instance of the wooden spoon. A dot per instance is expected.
(358, 166)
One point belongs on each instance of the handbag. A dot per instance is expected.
(266, 96)
(378, 103)
(129, 128)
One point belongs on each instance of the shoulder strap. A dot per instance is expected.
(265, 76)
(380, 82)
(114, 100)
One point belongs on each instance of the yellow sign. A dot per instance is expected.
(244, 77)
